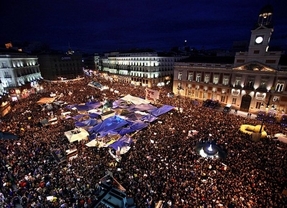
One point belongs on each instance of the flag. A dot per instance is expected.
(151, 94)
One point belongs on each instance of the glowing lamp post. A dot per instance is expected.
(267, 106)
(179, 88)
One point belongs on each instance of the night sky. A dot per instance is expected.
(110, 25)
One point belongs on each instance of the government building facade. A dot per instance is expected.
(146, 69)
(250, 81)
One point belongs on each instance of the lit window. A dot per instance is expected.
(237, 81)
(276, 99)
(198, 77)
(190, 76)
(206, 78)
(258, 105)
(279, 87)
(225, 80)
(250, 83)
(263, 84)
(215, 79)
(179, 76)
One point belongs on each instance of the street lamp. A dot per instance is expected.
(267, 106)
(179, 88)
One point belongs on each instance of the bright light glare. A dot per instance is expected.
(202, 153)
(210, 148)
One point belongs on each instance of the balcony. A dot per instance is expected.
(248, 87)
(261, 89)
(236, 86)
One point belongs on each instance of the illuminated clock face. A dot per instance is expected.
(259, 40)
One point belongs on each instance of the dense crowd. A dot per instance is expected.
(161, 166)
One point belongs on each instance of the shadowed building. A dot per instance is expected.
(59, 66)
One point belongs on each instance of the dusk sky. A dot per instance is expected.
(102, 25)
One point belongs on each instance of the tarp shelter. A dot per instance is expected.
(162, 110)
(133, 128)
(123, 141)
(149, 118)
(143, 107)
(82, 107)
(78, 117)
(46, 100)
(88, 122)
(111, 123)
(135, 100)
(121, 104)
(7, 135)
(93, 104)
(77, 134)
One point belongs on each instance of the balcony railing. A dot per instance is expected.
(261, 89)
(248, 87)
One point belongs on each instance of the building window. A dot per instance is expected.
(279, 87)
(198, 77)
(250, 83)
(222, 99)
(190, 76)
(179, 77)
(189, 89)
(237, 81)
(204, 95)
(263, 84)
(275, 99)
(256, 51)
(234, 101)
(215, 79)
(206, 78)
(7, 75)
(225, 80)
(258, 105)
(196, 93)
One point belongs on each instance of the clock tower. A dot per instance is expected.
(261, 34)
(258, 50)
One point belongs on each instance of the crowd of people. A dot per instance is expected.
(162, 165)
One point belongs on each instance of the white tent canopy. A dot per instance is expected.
(46, 100)
(77, 134)
(135, 100)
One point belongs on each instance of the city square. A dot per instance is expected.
(161, 167)
(192, 123)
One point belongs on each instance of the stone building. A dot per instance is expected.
(145, 68)
(250, 81)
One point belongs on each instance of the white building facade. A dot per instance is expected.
(140, 68)
(19, 74)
